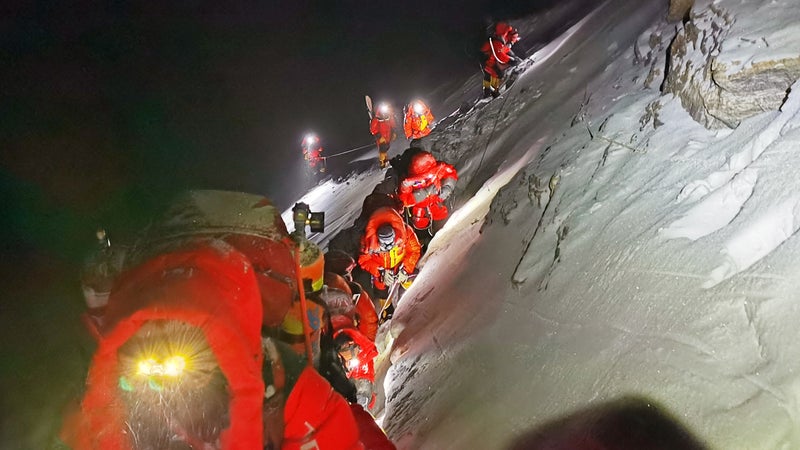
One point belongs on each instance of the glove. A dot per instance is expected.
(445, 192)
(402, 276)
(389, 277)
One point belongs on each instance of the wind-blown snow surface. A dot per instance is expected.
(629, 254)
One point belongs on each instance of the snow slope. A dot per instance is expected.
(605, 246)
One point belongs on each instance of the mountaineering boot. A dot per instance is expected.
(386, 314)
(387, 311)
(382, 160)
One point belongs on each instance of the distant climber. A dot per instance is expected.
(312, 153)
(382, 127)
(498, 57)
(418, 120)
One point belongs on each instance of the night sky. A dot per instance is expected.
(132, 101)
(108, 108)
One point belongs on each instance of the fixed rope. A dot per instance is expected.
(494, 126)
(348, 151)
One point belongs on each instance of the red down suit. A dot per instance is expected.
(212, 287)
(428, 184)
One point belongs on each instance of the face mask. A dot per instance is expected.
(387, 245)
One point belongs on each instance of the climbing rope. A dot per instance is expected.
(491, 134)
(348, 151)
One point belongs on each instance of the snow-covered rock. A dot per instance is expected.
(725, 69)
(678, 9)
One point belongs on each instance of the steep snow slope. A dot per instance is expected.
(631, 252)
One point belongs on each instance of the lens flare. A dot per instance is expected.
(174, 366)
(146, 367)
(171, 386)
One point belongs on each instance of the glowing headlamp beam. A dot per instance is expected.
(170, 367)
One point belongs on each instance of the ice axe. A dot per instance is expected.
(368, 100)
(393, 291)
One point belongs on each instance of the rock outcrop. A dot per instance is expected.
(679, 9)
(715, 84)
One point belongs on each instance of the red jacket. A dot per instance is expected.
(498, 55)
(313, 155)
(221, 298)
(372, 435)
(506, 33)
(363, 316)
(367, 316)
(366, 356)
(418, 120)
(382, 129)
(317, 417)
(424, 183)
(214, 288)
(406, 252)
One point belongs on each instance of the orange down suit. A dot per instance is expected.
(407, 249)
(417, 125)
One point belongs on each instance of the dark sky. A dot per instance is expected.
(109, 107)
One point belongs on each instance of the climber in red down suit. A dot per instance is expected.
(424, 190)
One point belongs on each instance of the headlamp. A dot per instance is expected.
(418, 108)
(172, 366)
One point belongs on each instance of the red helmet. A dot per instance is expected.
(507, 33)
(501, 28)
(421, 163)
